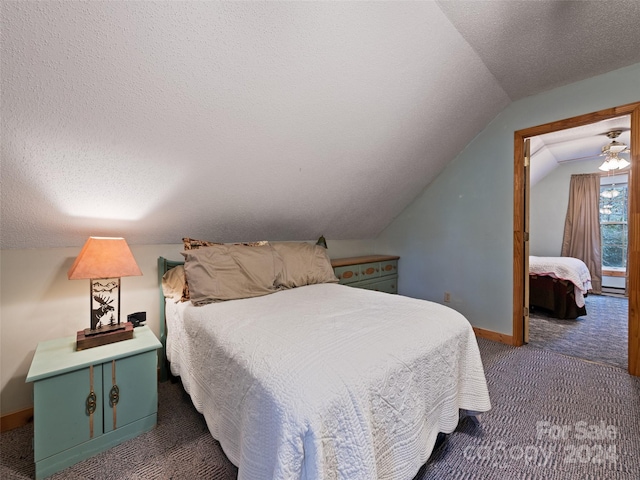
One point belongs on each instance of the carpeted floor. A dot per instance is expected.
(553, 417)
(600, 336)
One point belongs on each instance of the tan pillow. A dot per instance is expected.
(174, 284)
(304, 264)
(229, 272)
(194, 244)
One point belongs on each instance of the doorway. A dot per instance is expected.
(520, 310)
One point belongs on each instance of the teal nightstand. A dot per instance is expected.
(87, 401)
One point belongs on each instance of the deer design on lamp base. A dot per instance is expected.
(103, 295)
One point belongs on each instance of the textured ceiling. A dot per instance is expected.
(535, 45)
(238, 121)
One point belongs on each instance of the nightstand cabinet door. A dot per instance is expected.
(130, 391)
(61, 419)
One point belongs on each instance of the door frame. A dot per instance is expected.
(633, 268)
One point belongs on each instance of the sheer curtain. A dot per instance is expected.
(582, 226)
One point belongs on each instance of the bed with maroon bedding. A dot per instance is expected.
(558, 285)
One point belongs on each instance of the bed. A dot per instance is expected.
(559, 285)
(321, 380)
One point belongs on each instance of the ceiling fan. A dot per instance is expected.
(611, 151)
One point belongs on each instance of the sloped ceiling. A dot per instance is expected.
(239, 121)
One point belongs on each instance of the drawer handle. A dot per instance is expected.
(114, 395)
(92, 401)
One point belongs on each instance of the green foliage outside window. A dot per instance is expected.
(613, 226)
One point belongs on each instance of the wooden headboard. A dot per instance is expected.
(164, 266)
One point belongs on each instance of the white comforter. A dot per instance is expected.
(564, 268)
(327, 381)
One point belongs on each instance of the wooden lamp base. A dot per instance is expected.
(85, 341)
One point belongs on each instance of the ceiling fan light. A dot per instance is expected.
(622, 163)
(605, 166)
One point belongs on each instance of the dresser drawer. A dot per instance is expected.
(348, 274)
(389, 267)
(388, 284)
(373, 272)
(369, 270)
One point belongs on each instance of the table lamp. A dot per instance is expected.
(103, 261)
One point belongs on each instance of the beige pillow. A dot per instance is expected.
(229, 272)
(194, 244)
(304, 264)
(174, 284)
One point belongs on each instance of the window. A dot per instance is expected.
(614, 196)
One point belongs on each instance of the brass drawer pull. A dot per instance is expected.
(92, 402)
(114, 395)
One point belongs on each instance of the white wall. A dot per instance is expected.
(457, 236)
(39, 303)
(549, 202)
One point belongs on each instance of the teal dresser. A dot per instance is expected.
(87, 401)
(373, 272)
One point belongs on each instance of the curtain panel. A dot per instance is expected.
(582, 226)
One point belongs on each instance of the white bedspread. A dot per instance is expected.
(327, 381)
(564, 268)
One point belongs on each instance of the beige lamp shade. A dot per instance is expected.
(104, 257)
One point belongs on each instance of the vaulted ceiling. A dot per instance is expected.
(238, 121)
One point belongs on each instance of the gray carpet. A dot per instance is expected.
(600, 336)
(528, 387)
